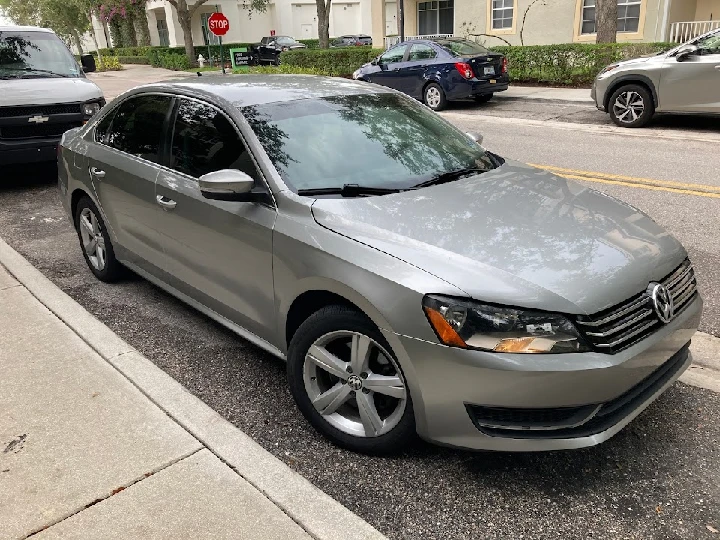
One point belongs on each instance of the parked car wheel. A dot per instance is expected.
(95, 242)
(348, 384)
(631, 106)
(434, 97)
(483, 98)
(277, 60)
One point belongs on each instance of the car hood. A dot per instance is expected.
(47, 90)
(515, 236)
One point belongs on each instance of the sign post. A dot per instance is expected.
(219, 25)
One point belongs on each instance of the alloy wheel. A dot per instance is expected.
(354, 384)
(629, 106)
(92, 239)
(433, 97)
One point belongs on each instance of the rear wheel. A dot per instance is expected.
(631, 106)
(434, 97)
(348, 384)
(483, 98)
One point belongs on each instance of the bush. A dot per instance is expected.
(110, 63)
(134, 59)
(333, 62)
(282, 69)
(574, 64)
(174, 61)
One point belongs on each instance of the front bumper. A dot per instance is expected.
(584, 399)
(594, 94)
(29, 151)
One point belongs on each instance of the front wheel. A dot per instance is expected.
(95, 242)
(631, 106)
(348, 384)
(434, 97)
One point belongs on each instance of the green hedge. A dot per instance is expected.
(333, 62)
(167, 59)
(570, 63)
(134, 59)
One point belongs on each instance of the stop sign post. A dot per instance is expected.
(219, 25)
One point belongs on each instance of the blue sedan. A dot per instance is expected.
(436, 71)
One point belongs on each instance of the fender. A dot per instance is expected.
(630, 78)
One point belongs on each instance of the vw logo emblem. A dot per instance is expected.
(355, 382)
(662, 302)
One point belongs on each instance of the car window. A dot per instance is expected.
(31, 55)
(419, 51)
(204, 141)
(377, 140)
(461, 47)
(103, 127)
(710, 44)
(282, 40)
(137, 126)
(395, 54)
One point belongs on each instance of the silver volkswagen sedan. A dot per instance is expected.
(416, 283)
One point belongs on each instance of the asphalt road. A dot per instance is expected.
(658, 478)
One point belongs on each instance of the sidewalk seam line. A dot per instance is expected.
(116, 491)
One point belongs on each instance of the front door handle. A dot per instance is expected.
(167, 204)
(97, 173)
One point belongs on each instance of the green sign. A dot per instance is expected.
(239, 57)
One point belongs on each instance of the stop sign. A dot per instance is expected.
(218, 24)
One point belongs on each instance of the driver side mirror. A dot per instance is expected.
(230, 185)
(475, 137)
(686, 52)
(87, 61)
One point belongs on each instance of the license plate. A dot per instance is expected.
(490, 70)
(492, 81)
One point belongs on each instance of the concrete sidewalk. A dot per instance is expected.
(539, 93)
(97, 442)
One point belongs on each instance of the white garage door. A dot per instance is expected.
(345, 19)
(304, 21)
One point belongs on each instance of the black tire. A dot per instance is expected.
(636, 94)
(435, 103)
(277, 60)
(322, 322)
(483, 98)
(112, 270)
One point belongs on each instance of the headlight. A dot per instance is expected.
(356, 73)
(470, 325)
(90, 109)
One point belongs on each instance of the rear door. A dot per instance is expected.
(412, 73)
(123, 166)
(693, 85)
(390, 63)
(219, 253)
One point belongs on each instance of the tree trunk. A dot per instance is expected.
(185, 19)
(77, 41)
(606, 14)
(141, 26)
(323, 12)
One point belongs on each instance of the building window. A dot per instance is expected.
(163, 32)
(628, 16)
(436, 18)
(502, 14)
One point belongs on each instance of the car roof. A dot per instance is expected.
(252, 89)
(25, 29)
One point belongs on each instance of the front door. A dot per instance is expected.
(390, 63)
(693, 85)
(219, 253)
(123, 166)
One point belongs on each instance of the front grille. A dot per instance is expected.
(44, 110)
(621, 326)
(36, 131)
(601, 417)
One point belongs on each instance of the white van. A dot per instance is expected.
(43, 93)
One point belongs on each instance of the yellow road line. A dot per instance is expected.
(627, 179)
(631, 181)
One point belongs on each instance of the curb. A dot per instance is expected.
(588, 102)
(321, 516)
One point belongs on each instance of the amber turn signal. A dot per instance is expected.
(445, 332)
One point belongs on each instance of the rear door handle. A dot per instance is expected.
(166, 203)
(97, 172)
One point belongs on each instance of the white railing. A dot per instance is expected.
(394, 40)
(680, 32)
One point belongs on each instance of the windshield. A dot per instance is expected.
(373, 140)
(461, 47)
(35, 54)
(282, 40)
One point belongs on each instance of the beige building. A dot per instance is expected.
(558, 21)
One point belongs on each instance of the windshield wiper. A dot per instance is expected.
(449, 176)
(36, 70)
(349, 190)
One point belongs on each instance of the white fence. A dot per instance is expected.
(394, 40)
(680, 32)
